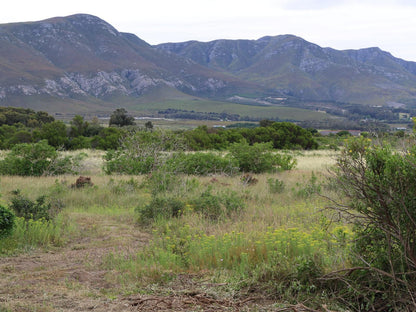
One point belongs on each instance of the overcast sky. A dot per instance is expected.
(340, 24)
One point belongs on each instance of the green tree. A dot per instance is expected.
(55, 133)
(120, 118)
(93, 128)
(44, 117)
(108, 138)
(78, 126)
(266, 123)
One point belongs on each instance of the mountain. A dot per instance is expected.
(81, 64)
(81, 58)
(307, 71)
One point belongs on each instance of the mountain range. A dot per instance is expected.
(80, 64)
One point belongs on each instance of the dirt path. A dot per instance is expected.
(72, 278)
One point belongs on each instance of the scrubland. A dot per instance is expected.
(232, 244)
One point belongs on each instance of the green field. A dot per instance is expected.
(66, 108)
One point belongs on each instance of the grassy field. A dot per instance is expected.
(100, 255)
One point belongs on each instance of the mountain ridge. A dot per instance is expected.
(288, 62)
(84, 60)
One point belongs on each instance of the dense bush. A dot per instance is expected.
(24, 116)
(217, 206)
(6, 221)
(282, 135)
(160, 207)
(119, 162)
(55, 133)
(201, 163)
(121, 118)
(108, 138)
(142, 152)
(36, 159)
(259, 158)
(31, 210)
(380, 183)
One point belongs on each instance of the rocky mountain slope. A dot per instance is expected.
(306, 71)
(82, 56)
(82, 63)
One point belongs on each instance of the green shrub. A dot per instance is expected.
(260, 158)
(217, 206)
(6, 221)
(285, 162)
(201, 163)
(31, 210)
(161, 181)
(36, 159)
(380, 185)
(119, 162)
(142, 152)
(160, 207)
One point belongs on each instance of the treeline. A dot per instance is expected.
(185, 114)
(27, 126)
(282, 135)
(24, 116)
(79, 134)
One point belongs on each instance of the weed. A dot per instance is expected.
(160, 181)
(275, 185)
(124, 186)
(309, 189)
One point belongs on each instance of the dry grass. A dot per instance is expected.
(316, 160)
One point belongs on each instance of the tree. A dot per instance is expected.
(55, 132)
(78, 126)
(93, 128)
(120, 118)
(108, 138)
(149, 125)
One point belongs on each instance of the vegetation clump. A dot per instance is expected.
(380, 184)
(121, 118)
(6, 221)
(31, 210)
(37, 159)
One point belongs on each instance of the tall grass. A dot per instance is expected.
(32, 234)
(283, 238)
(278, 239)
